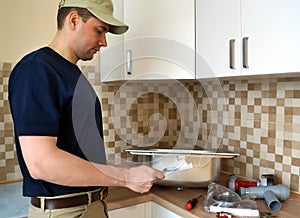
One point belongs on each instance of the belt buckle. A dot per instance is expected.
(102, 193)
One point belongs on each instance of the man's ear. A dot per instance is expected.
(73, 20)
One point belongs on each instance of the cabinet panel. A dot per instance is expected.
(161, 38)
(217, 22)
(144, 210)
(273, 30)
(135, 211)
(159, 212)
(161, 41)
(112, 57)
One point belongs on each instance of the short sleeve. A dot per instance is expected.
(35, 94)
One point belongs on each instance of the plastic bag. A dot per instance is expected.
(222, 199)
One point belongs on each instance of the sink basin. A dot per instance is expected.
(185, 168)
(204, 170)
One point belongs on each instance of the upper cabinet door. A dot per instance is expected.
(112, 57)
(247, 37)
(160, 42)
(271, 31)
(218, 39)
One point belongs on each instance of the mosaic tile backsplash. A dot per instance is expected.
(258, 118)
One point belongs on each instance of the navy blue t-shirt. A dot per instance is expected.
(49, 96)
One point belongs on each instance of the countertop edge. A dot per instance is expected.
(174, 200)
(170, 206)
(128, 198)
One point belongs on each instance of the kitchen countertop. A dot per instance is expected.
(175, 200)
(167, 197)
(12, 192)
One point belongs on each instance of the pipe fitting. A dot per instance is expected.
(271, 194)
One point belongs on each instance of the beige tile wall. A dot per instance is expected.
(9, 168)
(258, 118)
(264, 128)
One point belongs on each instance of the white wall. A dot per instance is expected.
(26, 25)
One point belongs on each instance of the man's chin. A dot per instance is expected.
(88, 58)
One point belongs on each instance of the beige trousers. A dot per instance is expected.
(97, 209)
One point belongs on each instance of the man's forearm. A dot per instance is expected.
(45, 161)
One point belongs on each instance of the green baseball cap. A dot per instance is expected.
(102, 9)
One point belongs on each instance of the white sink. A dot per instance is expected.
(203, 171)
(185, 167)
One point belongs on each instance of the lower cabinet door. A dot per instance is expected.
(145, 210)
(135, 211)
(161, 212)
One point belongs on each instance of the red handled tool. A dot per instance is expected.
(192, 203)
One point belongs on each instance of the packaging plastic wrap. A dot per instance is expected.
(222, 199)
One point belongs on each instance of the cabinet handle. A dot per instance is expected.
(232, 53)
(245, 52)
(128, 61)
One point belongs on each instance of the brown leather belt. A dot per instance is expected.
(60, 203)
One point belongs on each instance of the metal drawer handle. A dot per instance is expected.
(245, 52)
(232, 53)
(128, 61)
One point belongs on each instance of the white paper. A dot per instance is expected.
(235, 211)
(179, 165)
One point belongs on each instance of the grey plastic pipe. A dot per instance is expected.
(272, 202)
(271, 194)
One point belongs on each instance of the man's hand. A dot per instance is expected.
(141, 178)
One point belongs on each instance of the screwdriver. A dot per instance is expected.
(192, 203)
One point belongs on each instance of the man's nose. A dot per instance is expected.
(102, 40)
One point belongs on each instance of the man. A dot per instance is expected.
(58, 123)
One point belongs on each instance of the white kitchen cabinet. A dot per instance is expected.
(159, 212)
(144, 210)
(217, 22)
(273, 30)
(247, 37)
(135, 211)
(112, 57)
(160, 42)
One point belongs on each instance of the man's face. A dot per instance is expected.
(90, 36)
